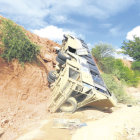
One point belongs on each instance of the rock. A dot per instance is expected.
(4, 121)
(129, 105)
(47, 57)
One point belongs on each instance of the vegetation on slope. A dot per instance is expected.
(15, 44)
(116, 87)
(132, 48)
(115, 73)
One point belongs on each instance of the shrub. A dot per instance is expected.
(125, 73)
(116, 88)
(107, 64)
(136, 65)
(16, 44)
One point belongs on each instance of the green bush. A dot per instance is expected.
(125, 73)
(136, 65)
(16, 44)
(116, 88)
(103, 53)
(107, 64)
(116, 67)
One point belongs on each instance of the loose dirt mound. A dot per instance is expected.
(23, 95)
(127, 63)
(24, 89)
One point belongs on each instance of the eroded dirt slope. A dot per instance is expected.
(24, 90)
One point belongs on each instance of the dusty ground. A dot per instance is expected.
(122, 124)
(43, 130)
(134, 92)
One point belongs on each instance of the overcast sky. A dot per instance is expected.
(110, 21)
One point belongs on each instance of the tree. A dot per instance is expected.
(102, 50)
(103, 53)
(132, 48)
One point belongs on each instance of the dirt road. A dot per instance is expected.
(122, 124)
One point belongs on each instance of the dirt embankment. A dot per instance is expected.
(127, 63)
(24, 90)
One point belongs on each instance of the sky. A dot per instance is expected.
(109, 21)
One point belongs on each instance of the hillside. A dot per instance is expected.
(23, 90)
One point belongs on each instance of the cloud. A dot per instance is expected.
(103, 9)
(58, 18)
(105, 25)
(119, 55)
(36, 13)
(115, 31)
(27, 13)
(134, 32)
(53, 32)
